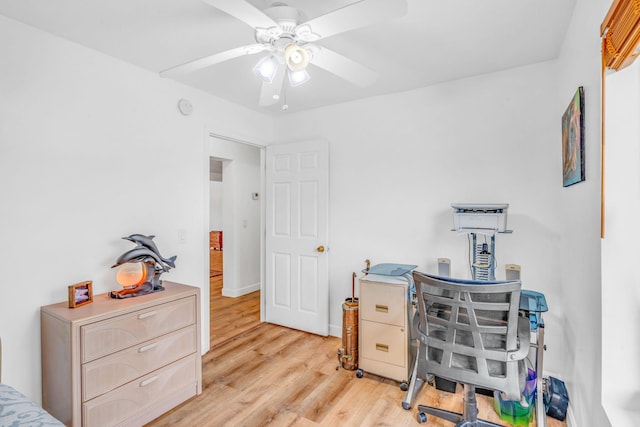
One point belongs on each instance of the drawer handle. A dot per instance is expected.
(382, 347)
(147, 347)
(382, 308)
(145, 315)
(148, 381)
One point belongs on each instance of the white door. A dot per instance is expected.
(297, 204)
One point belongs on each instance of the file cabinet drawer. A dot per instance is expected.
(384, 343)
(381, 302)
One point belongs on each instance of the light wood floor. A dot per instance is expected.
(271, 375)
(230, 317)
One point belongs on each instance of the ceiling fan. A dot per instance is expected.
(288, 41)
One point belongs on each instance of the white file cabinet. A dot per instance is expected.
(384, 328)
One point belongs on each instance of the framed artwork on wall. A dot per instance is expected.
(573, 140)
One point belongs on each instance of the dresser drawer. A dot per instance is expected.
(111, 335)
(383, 343)
(132, 398)
(383, 302)
(109, 372)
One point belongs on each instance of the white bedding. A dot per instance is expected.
(17, 410)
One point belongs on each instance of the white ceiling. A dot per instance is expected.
(436, 41)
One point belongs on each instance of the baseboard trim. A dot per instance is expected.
(335, 331)
(235, 293)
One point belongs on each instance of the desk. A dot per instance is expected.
(534, 303)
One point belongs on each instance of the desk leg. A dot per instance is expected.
(541, 417)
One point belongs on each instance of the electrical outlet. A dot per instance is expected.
(182, 236)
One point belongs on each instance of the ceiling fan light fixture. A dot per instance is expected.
(266, 68)
(296, 78)
(296, 57)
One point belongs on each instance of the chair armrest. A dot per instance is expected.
(524, 340)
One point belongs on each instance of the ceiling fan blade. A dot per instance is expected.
(216, 58)
(244, 11)
(344, 67)
(356, 15)
(271, 92)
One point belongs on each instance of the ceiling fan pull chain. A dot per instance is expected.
(285, 106)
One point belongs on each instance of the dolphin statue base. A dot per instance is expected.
(145, 288)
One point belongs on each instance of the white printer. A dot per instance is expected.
(480, 216)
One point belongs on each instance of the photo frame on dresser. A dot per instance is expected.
(80, 294)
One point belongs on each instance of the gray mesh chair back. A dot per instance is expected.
(471, 332)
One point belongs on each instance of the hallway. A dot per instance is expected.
(230, 316)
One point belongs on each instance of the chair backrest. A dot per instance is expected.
(469, 332)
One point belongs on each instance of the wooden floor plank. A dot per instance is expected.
(352, 408)
(326, 396)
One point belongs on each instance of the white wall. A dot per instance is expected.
(216, 191)
(397, 162)
(93, 149)
(578, 211)
(240, 216)
(620, 249)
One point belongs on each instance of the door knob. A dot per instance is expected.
(320, 248)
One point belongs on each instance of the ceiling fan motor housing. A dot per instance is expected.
(283, 38)
(287, 18)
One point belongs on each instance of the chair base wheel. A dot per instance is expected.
(404, 386)
(422, 417)
(359, 373)
(406, 406)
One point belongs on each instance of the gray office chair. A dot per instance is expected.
(469, 332)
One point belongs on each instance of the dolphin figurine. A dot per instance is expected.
(140, 254)
(145, 252)
(147, 242)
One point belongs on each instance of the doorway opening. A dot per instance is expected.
(235, 221)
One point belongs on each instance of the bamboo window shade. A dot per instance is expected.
(620, 32)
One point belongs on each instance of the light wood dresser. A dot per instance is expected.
(121, 362)
(384, 321)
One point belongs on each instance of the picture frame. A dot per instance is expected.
(80, 294)
(573, 140)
